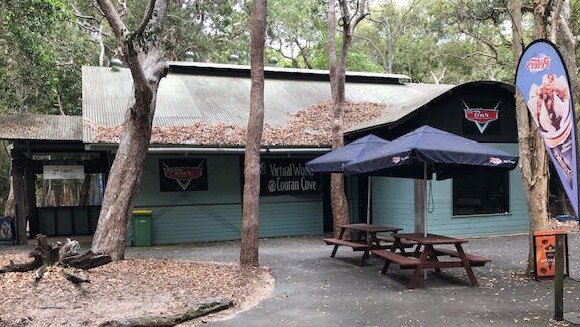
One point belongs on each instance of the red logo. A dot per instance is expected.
(182, 172)
(396, 160)
(537, 64)
(495, 161)
(183, 175)
(481, 117)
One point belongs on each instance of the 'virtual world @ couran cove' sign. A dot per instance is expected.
(287, 176)
(543, 81)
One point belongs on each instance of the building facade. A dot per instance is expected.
(193, 174)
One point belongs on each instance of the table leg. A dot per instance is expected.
(419, 269)
(336, 246)
(398, 245)
(386, 266)
(365, 256)
(433, 257)
(466, 264)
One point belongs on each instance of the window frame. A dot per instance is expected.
(507, 197)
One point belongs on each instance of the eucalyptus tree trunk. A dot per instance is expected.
(561, 34)
(337, 68)
(84, 191)
(533, 157)
(147, 67)
(9, 205)
(567, 43)
(251, 205)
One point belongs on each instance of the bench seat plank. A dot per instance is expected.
(401, 260)
(474, 260)
(353, 245)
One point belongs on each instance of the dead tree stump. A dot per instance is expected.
(67, 255)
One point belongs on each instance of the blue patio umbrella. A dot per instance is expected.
(334, 161)
(431, 151)
(427, 151)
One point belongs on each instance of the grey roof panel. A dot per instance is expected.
(41, 127)
(223, 98)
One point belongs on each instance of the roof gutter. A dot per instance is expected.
(237, 150)
(215, 150)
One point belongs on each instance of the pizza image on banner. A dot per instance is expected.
(179, 175)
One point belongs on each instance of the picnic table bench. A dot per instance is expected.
(355, 245)
(474, 260)
(404, 262)
(428, 257)
(367, 239)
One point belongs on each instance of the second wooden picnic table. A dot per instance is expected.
(426, 256)
(365, 240)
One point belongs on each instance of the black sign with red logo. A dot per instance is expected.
(481, 118)
(178, 175)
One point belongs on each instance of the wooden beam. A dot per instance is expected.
(419, 190)
(19, 196)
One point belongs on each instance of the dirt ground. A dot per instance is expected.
(129, 288)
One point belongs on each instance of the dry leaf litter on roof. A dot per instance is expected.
(309, 127)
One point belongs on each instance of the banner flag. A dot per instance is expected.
(542, 79)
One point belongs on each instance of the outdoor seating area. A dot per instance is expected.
(408, 250)
(424, 153)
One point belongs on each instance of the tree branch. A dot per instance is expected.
(114, 18)
(146, 18)
(555, 15)
(360, 13)
(488, 43)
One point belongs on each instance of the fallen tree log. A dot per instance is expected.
(170, 320)
(85, 261)
(75, 279)
(22, 267)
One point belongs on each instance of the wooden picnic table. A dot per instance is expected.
(365, 241)
(426, 256)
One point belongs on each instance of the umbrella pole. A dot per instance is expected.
(425, 193)
(369, 190)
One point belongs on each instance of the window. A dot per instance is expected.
(485, 193)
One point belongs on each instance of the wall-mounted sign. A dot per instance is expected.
(63, 172)
(287, 176)
(178, 175)
(6, 233)
(480, 115)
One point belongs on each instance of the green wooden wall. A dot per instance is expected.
(393, 205)
(215, 214)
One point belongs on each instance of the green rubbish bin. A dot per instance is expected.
(141, 222)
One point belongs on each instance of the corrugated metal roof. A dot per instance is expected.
(41, 127)
(402, 106)
(223, 97)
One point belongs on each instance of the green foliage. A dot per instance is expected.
(42, 51)
(213, 30)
